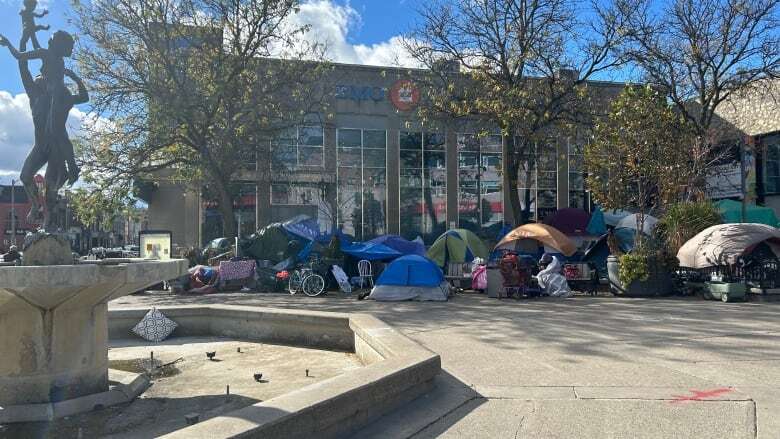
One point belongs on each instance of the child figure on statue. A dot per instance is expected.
(29, 28)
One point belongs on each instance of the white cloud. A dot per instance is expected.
(331, 24)
(16, 132)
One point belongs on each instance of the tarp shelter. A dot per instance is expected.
(411, 277)
(598, 251)
(570, 221)
(400, 244)
(457, 246)
(630, 222)
(597, 226)
(269, 243)
(529, 237)
(370, 251)
(731, 211)
(723, 244)
(303, 226)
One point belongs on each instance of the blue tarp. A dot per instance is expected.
(370, 251)
(597, 226)
(400, 244)
(303, 226)
(625, 238)
(412, 271)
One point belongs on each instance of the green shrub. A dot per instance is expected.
(633, 266)
(683, 221)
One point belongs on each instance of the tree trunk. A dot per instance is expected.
(526, 214)
(229, 229)
(511, 154)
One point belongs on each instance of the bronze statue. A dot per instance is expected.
(50, 103)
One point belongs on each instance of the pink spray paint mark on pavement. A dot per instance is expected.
(701, 395)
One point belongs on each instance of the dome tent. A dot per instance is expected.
(411, 277)
(529, 237)
(457, 246)
(724, 244)
(570, 221)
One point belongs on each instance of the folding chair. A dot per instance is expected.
(365, 273)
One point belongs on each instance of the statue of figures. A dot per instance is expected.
(50, 103)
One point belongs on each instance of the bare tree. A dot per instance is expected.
(700, 52)
(188, 87)
(523, 67)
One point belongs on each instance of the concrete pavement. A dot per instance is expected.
(583, 367)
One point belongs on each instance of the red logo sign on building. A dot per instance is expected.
(404, 95)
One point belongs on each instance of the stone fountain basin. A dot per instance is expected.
(53, 328)
(395, 369)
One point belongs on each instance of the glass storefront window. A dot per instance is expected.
(480, 198)
(361, 182)
(491, 143)
(577, 176)
(423, 187)
(297, 147)
(538, 180)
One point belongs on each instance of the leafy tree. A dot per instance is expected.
(683, 221)
(700, 52)
(639, 157)
(187, 87)
(93, 207)
(521, 66)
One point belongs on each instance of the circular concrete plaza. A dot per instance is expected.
(586, 367)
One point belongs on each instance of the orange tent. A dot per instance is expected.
(542, 233)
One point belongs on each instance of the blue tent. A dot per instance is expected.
(400, 244)
(412, 270)
(411, 277)
(370, 251)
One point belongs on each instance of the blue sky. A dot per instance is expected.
(357, 31)
(372, 22)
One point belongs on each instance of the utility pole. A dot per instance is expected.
(13, 212)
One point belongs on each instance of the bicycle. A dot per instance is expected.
(306, 280)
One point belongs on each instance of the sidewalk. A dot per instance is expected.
(585, 367)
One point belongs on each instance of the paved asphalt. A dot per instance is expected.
(586, 367)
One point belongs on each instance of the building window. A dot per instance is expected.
(361, 176)
(537, 180)
(423, 185)
(480, 198)
(577, 176)
(298, 147)
(772, 169)
(295, 194)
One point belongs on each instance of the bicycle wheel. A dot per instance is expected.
(295, 282)
(313, 285)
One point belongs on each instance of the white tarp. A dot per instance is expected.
(553, 282)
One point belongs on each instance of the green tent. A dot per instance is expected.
(731, 211)
(458, 246)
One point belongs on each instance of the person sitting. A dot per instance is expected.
(13, 255)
